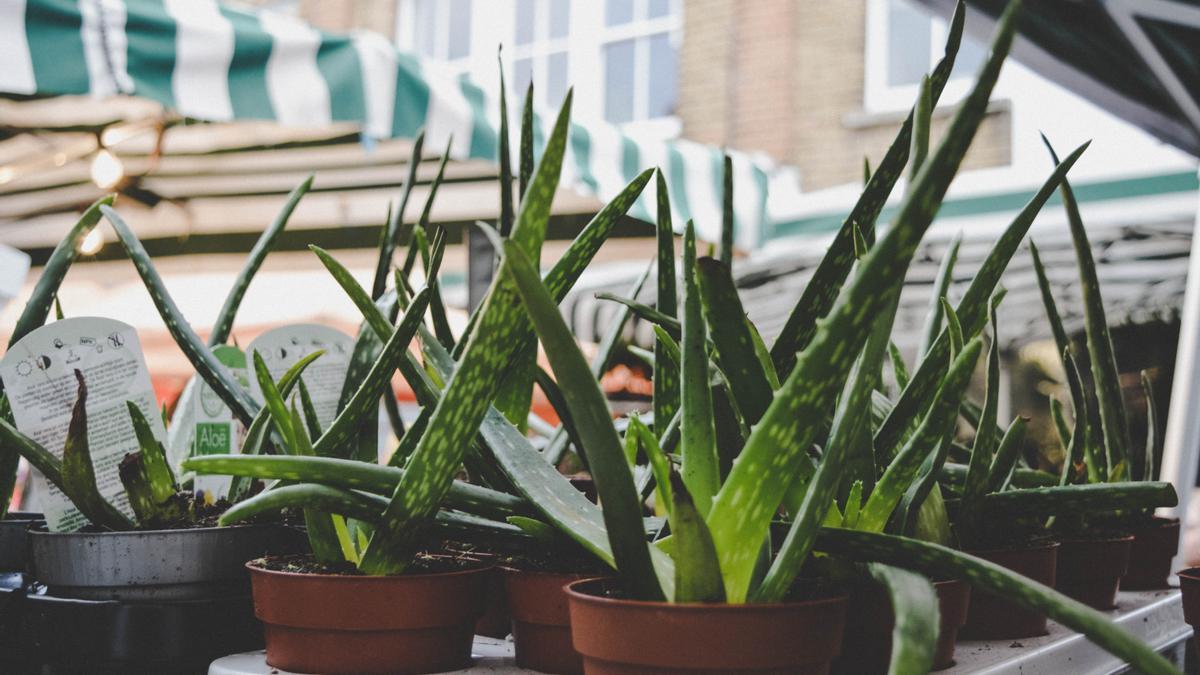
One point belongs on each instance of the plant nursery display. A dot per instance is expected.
(810, 506)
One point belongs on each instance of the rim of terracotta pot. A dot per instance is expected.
(1094, 540)
(372, 578)
(692, 606)
(1015, 549)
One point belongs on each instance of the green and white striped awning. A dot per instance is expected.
(212, 62)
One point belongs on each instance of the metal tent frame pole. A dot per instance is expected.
(1181, 448)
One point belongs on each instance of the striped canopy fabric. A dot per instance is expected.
(213, 62)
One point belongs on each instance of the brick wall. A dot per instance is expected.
(786, 77)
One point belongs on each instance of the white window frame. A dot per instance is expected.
(878, 94)
(586, 37)
(540, 48)
(406, 25)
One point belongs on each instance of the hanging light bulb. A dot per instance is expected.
(107, 170)
(92, 242)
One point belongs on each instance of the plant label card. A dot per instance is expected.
(282, 347)
(204, 425)
(39, 378)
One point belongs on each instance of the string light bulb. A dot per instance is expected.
(107, 170)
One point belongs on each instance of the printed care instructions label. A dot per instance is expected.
(282, 347)
(39, 377)
(204, 425)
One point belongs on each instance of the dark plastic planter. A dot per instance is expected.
(1189, 585)
(867, 645)
(541, 621)
(14, 540)
(620, 637)
(333, 624)
(1090, 570)
(1154, 546)
(993, 618)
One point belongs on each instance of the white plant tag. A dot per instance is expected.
(204, 425)
(39, 378)
(282, 347)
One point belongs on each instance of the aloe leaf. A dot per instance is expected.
(322, 530)
(437, 308)
(726, 251)
(666, 375)
(1021, 478)
(1086, 499)
(276, 407)
(943, 562)
(78, 474)
(699, 443)
(742, 511)
(697, 572)
(415, 245)
(647, 313)
(1061, 340)
(55, 270)
(506, 175)
(971, 312)
(311, 425)
(734, 339)
(153, 474)
(353, 475)
(321, 499)
(820, 492)
(1006, 456)
(822, 290)
(983, 449)
(1061, 427)
(1153, 438)
(953, 329)
(500, 333)
(58, 310)
(899, 370)
(854, 503)
(207, 366)
(266, 241)
(922, 504)
(659, 464)
(525, 165)
(941, 288)
(922, 114)
(38, 457)
(335, 440)
(934, 430)
(915, 608)
(589, 410)
(1099, 340)
(391, 236)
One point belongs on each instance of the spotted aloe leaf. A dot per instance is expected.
(1090, 498)
(666, 375)
(1099, 339)
(38, 457)
(777, 446)
(986, 577)
(214, 373)
(734, 339)
(941, 287)
(1007, 453)
(78, 474)
(984, 447)
(590, 412)
(821, 292)
(699, 443)
(972, 313)
(505, 156)
(915, 608)
(727, 222)
(390, 238)
(468, 395)
(266, 241)
(148, 479)
(697, 571)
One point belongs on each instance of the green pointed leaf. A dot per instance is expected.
(666, 375)
(506, 174)
(391, 235)
(899, 370)
(1070, 500)
(525, 166)
(266, 241)
(699, 443)
(922, 114)
(1006, 456)
(915, 608)
(697, 572)
(733, 337)
(78, 474)
(941, 287)
(727, 219)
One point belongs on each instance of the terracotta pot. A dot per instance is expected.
(867, 646)
(621, 637)
(1090, 570)
(496, 621)
(327, 623)
(992, 618)
(1189, 584)
(1154, 545)
(541, 620)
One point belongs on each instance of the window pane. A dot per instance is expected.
(460, 29)
(522, 75)
(662, 76)
(618, 82)
(617, 12)
(971, 56)
(658, 8)
(908, 43)
(524, 22)
(425, 28)
(560, 18)
(556, 79)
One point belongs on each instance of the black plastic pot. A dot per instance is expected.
(14, 540)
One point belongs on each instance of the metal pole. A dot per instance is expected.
(1181, 447)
